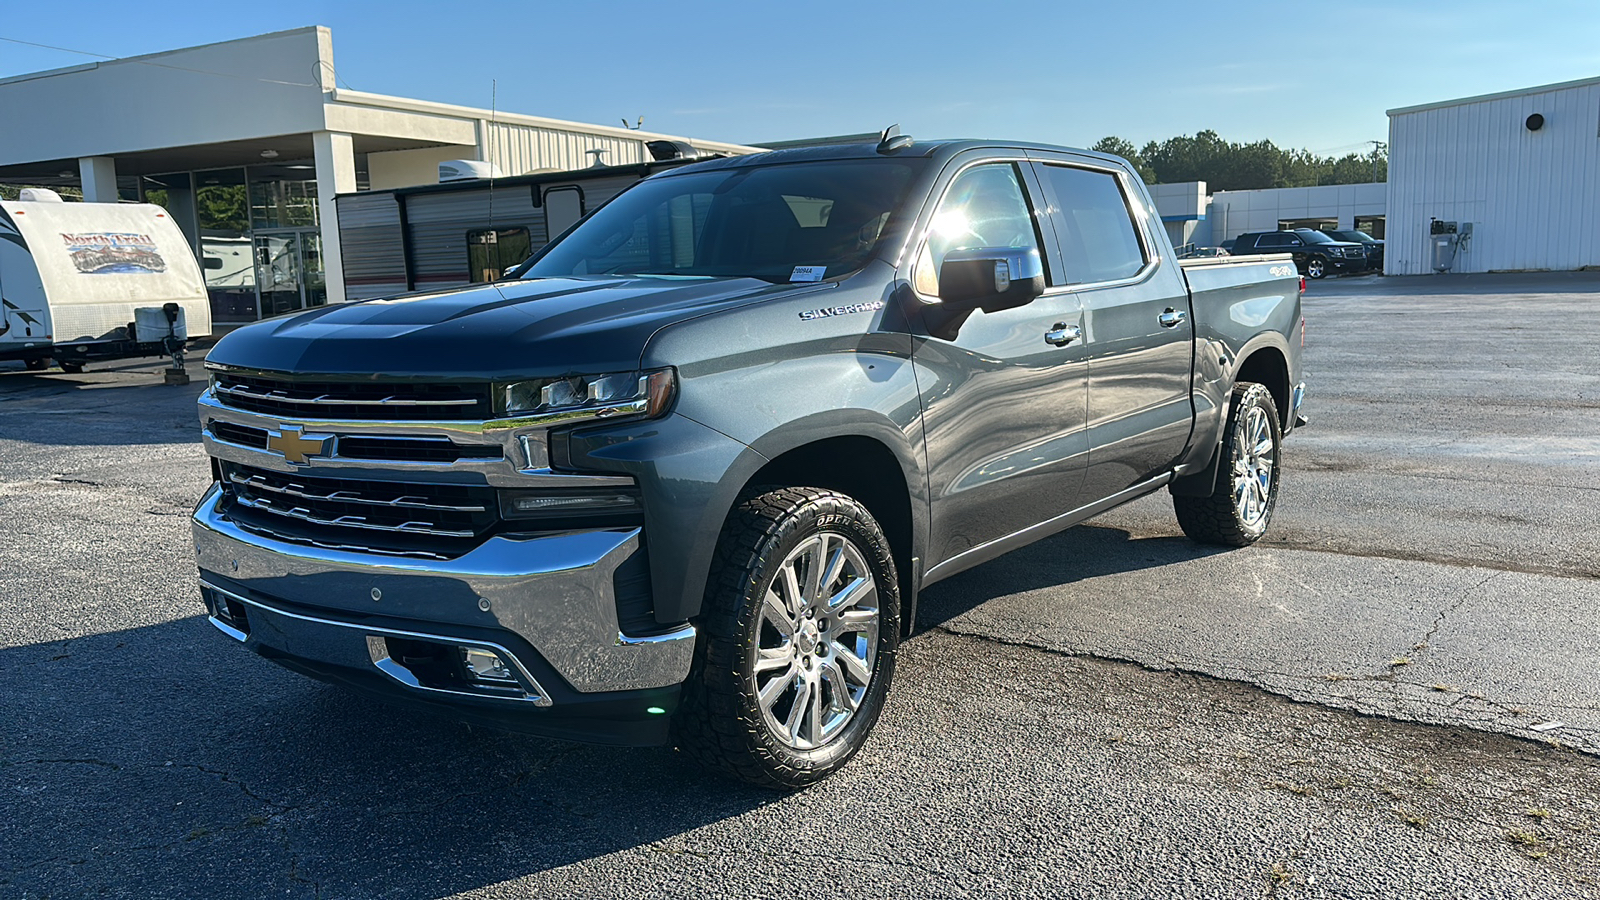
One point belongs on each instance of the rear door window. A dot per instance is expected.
(1095, 224)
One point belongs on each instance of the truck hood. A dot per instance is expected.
(511, 329)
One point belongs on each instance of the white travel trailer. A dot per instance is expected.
(72, 276)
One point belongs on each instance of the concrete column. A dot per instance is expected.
(99, 174)
(336, 174)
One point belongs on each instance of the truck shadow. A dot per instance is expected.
(167, 751)
(1077, 554)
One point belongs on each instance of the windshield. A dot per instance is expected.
(779, 223)
(1315, 237)
(1360, 237)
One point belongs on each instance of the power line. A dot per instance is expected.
(146, 62)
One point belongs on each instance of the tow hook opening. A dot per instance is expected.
(444, 666)
(227, 614)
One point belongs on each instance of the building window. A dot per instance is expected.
(491, 252)
(282, 196)
(222, 217)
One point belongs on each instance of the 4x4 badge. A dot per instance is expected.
(295, 446)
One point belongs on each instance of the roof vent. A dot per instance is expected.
(467, 170)
(891, 139)
(39, 195)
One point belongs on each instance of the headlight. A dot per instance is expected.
(598, 396)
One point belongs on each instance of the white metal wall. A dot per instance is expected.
(519, 149)
(1232, 213)
(1533, 196)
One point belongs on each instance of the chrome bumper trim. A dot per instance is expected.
(555, 591)
(378, 655)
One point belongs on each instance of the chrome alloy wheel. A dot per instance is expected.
(817, 642)
(1253, 468)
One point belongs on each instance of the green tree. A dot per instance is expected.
(1118, 147)
(1228, 166)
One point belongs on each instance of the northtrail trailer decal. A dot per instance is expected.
(118, 253)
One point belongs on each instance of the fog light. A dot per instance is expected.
(547, 504)
(550, 504)
(486, 665)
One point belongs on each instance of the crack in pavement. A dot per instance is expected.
(1323, 700)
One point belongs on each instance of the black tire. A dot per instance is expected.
(37, 365)
(71, 368)
(1316, 267)
(1237, 514)
(722, 722)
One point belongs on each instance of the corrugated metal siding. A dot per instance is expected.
(519, 149)
(371, 246)
(1533, 197)
(439, 224)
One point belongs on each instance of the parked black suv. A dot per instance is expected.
(1373, 245)
(1315, 254)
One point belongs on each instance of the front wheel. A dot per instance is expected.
(1316, 267)
(800, 629)
(71, 368)
(1240, 507)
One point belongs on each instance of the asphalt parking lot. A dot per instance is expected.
(1395, 694)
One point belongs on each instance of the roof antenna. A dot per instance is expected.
(488, 142)
(891, 139)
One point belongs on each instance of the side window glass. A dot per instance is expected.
(1099, 241)
(1272, 240)
(985, 206)
(491, 252)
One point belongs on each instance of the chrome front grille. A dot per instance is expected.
(353, 400)
(377, 447)
(407, 518)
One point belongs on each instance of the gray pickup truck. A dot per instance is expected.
(683, 479)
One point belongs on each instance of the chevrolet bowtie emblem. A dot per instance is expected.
(295, 446)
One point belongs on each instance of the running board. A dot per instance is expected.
(1003, 545)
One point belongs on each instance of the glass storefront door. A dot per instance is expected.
(289, 271)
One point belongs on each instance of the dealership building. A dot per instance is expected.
(247, 142)
(1504, 182)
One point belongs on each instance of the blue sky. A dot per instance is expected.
(1316, 75)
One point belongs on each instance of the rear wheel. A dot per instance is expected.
(1241, 505)
(72, 368)
(800, 629)
(1316, 267)
(37, 365)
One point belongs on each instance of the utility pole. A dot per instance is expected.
(1376, 146)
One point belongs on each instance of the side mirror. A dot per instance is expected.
(990, 279)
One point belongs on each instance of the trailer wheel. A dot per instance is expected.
(798, 639)
(38, 364)
(72, 368)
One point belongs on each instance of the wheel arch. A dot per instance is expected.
(1266, 364)
(870, 461)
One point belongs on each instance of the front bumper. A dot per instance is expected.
(544, 603)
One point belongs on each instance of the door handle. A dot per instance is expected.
(1062, 334)
(1172, 318)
